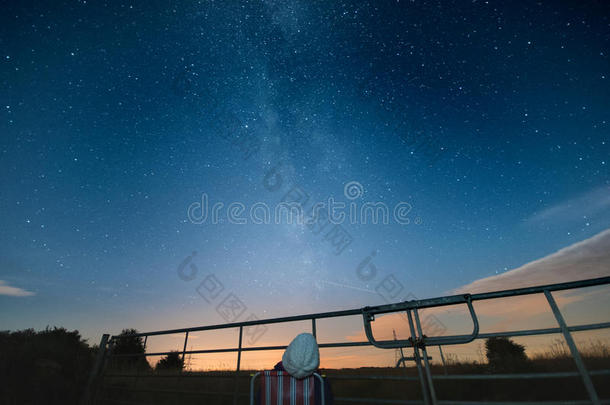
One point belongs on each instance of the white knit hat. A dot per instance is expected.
(302, 356)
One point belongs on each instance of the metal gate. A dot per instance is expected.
(418, 342)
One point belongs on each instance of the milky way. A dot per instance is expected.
(487, 120)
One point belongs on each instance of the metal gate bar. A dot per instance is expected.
(418, 341)
(575, 353)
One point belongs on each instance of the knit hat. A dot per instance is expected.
(302, 356)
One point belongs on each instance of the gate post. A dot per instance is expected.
(416, 356)
(95, 372)
(426, 362)
(586, 379)
(239, 347)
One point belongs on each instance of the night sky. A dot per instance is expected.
(489, 119)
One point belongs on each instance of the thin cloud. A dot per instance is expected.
(588, 205)
(11, 291)
(586, 259)
(589, 258)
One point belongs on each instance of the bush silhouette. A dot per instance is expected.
(172, 362)
(128, 351)
(46, 367)
(505, 355)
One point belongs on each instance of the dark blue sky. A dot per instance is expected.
(489, 118)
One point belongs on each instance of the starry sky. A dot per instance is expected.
(490, 119)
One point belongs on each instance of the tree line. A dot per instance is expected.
(52, 366)
(130, 350)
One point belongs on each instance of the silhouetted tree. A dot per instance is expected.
(132, 346)
(50, 366)
(172, 362)
(505, 355)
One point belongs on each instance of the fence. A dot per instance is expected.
(417, 341)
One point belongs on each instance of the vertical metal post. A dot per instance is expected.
(424, 388)
(138, 371)
(440, 349)
(186, 338)
(239, 345)
(145, 341)
(95, 372)
(241, 332)
(575, 353)
(313, 327)
(179, 379)
(109, 353)
(425, 352)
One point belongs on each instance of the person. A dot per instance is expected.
(301, 359)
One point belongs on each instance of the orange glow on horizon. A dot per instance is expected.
(586, 306)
